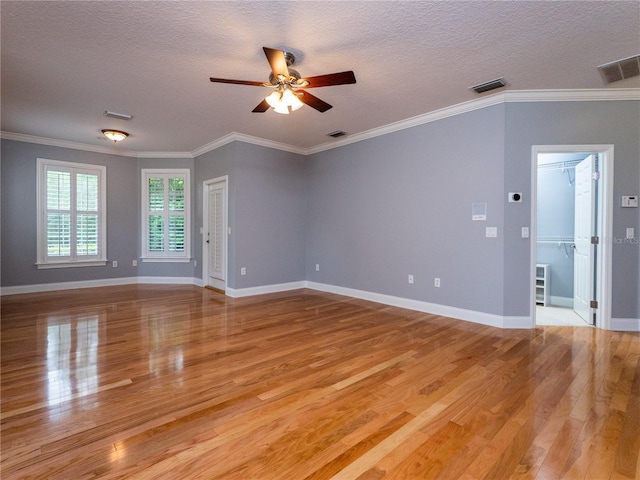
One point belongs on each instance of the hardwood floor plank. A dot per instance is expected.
(181, 382)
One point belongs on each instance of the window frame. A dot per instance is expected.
(44, 261)
(166, 173)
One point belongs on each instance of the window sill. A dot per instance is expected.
(165, 260)
(95, 263)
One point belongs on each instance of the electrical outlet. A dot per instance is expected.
(114, 263)
(243, 271)
(134, 263)
(436, 282)
(317, 267)
(410, 278)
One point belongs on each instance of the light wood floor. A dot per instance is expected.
(179, 382)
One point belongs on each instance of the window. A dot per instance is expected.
(71, 214)
(165, 215)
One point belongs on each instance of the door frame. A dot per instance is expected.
(205, 226)
(604, 228)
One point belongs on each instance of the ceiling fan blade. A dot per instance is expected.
(341, 78)
(277, 61)
(262, 107)
(237, 82)
(312, 101)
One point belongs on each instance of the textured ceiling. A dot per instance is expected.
(64, 63)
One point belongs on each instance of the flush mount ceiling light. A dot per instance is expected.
(115, 135)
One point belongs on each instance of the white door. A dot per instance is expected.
(216, 236)
(584, 229)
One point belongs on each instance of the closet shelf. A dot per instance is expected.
(555, 239)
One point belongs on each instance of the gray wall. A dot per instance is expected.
(574, 123)
(19, 205)
(208, 166)
(369, 213)
(267, 206)
(400, 204)
(164, 269)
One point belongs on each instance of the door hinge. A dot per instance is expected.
(595, 240)
(593, 304)
(595, 176)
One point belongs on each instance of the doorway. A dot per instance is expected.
(215, 227)
(571, 219)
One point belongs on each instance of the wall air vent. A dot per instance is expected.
(620, 69)
(337, 133)
(492, 85)
(120, 116)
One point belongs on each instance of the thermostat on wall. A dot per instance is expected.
(630, 201)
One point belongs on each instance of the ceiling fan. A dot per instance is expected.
(289, 94)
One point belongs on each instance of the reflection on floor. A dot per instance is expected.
(559, 316)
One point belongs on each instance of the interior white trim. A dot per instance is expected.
(52, 142)
(482, 318)
(241, 137)
(564, 302)
(510, 322)
(625, 324)
(205, 224)
(261, 290)
(605, 227)
(105, 282)
(510, 96)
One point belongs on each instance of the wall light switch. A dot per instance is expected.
(492, 232)
(630, 233)
(410, 278)
(525, 232)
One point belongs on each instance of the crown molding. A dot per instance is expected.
(573, 95)
(52, 142)
(164, 155)
(513, 96)
(516, 96)
(241, 137)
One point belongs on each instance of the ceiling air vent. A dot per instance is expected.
(492, 85)
(337, 133)
(620, 69)
(120, 116)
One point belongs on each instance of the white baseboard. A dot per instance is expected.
(426, 307)
(493, 320)
(107, 282)
(279, 287)
(564, 302)
(625, 324)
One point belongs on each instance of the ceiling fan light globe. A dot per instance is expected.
(281, 108)
(274, 98)
(290, 99)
